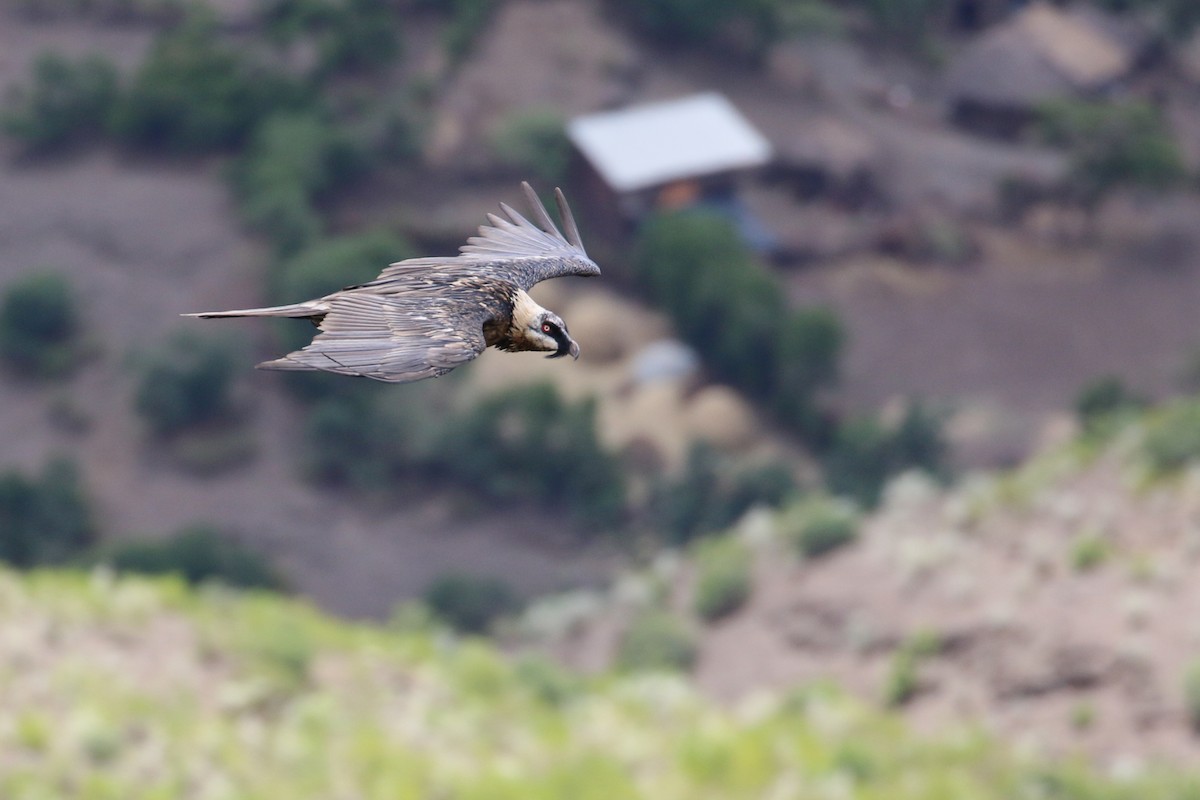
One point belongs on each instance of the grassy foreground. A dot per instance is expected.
(136, 689)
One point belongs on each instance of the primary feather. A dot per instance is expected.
(425, 316)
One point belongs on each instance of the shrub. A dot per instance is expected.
(1172, 437)
(293, 159)
(39, 323)
(695, 266)
(67, 102)
(657, 640)
(864, 453)
(1112, 145)
(820, 525)
(1089, 551)
(723, 578)
(185, 383)
(1102, 402)
(196, 94)
(196, 553)
(350, 443)
(534, 141)
(45, 520)
(710, 494)
(1191, 694)
(528, 443)
(470, 603)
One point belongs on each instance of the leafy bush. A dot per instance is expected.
(657, 640)
(820, 525)
(711, 495)
(700, 22)
(39, 323)
(45, 520)
(534, 141)
(1172, 437)
(1112, 145)
(723, 578)
(197, 554)
(184, 383)
(346, 34)
(1089, 551)
(468, 19)
(470, 603)
(1191, 694)
(864, 453)
(293, 159)
(1102, 402)
(528, 443)
(68, 102)
(694, 265)
(197, 94)
(351, 443)
(905, 22)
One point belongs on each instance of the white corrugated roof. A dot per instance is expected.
(650, 144)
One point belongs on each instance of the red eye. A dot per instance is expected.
(546, 327)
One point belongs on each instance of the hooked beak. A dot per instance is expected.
(568, 347)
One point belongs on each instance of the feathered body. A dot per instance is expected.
(425, 316)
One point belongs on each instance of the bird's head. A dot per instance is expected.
(549, 333)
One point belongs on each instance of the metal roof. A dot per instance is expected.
(646, 145)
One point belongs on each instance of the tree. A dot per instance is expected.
(67, 102)
(39, 325)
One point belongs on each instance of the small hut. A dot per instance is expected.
(1042, 53)
(668, 154)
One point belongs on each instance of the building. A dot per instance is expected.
(667, 154)
(1042, 53)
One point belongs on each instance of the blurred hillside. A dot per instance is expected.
(982, 245)
(137, 689)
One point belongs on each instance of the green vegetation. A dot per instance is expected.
(820, 525)
(712, 493)
(694, 265)
(723, 577)
(39, 325)
(470, 603)
(347, 35)
(185, 382)
(44, 520)
(534, 142)
(139, 688)
(1112, 145)
(525, 444)
(657, 640)
(196, 93)
(528, 443)
(906, 23)
(197, 554)
(864, 453)
(292, 161)
(1089, 551)
(1172, 436)
(68, 102)
(1104, 404)
(1191, 694)
(903, 680)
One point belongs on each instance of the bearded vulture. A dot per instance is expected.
(425, 316)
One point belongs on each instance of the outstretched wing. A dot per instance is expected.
(514, 249)
(393, 338)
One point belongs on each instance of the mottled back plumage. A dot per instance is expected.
(425, 316)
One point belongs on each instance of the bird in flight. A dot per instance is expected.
(425, 316)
